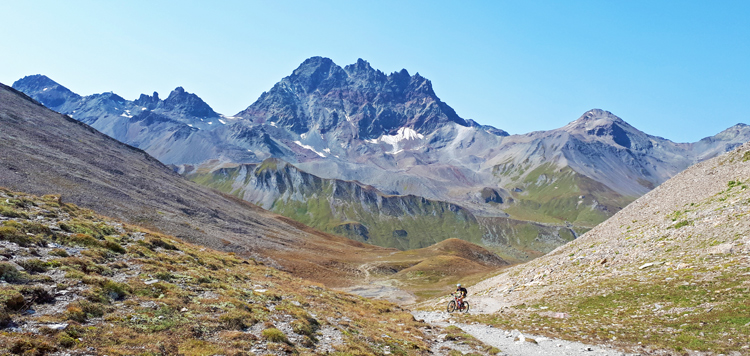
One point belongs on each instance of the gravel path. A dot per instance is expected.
(514, 343)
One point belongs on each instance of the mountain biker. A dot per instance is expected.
(461, 294)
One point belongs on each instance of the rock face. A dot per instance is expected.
(356, 101)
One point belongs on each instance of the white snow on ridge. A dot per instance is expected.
(403, 134)
(309, 148)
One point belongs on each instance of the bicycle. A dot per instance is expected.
(453, 305)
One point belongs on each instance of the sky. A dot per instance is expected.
(675, 69)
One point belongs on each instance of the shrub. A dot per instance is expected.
(274, 335)
(33, 265)
(34, 347)
(59, 252)
(237, 320)
(12, 234)
(114, 247)
(38, 295)
(114, 290)
(66, 340)
(75, 313)
(11, 299)
(155, 242)
(5, 319)
(10, 274)
(37, 228)
(12, 213)
(305, 326)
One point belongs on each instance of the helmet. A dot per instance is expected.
(458, 285)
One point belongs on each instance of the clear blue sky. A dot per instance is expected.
(676, 69)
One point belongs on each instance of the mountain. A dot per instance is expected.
(356, 101)
(43, 152)
(149, 123)
(668, 271)
(364, 213)
(393, 133)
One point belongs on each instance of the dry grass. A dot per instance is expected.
(154, 294)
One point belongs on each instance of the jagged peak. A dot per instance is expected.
(40, 83)
(313, 65)
(37, 80)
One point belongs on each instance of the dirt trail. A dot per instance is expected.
(515, 343)
(379, 289)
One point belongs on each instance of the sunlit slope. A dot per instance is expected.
(670, 270)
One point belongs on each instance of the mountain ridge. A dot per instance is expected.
(391, 131)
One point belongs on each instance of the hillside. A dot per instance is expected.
(365, 214)
(43, 152)
(74, 282)
(668, 271)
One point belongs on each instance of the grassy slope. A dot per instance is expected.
(426, 222)
(128, 291)
(670, 273)
(553, 195)
(435, 270)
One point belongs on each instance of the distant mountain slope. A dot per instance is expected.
(163, 128)
(670, 270)
(43, 152)
(392, 132)
(365, 214)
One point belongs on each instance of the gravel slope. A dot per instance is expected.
(514, 343)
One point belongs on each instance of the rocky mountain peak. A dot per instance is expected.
(358, 99)
(45, 90)
(188, 103)
(597, 124)
(149, 102)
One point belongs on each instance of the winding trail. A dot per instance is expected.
(514, 343)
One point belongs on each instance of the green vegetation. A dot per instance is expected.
(677, 312)
(403, 222)
(156, 295)
(554, 195)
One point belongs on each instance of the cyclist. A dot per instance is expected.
(461, 293)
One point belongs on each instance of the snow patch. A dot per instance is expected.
(190, 125)
(143, 109)
(309, 148)
(45, 89)
(210, 122)
(403, 134)
(222, 122)
(327, 150)
(273, 124)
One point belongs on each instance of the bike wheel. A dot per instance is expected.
(451, 306)
(466, 307)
